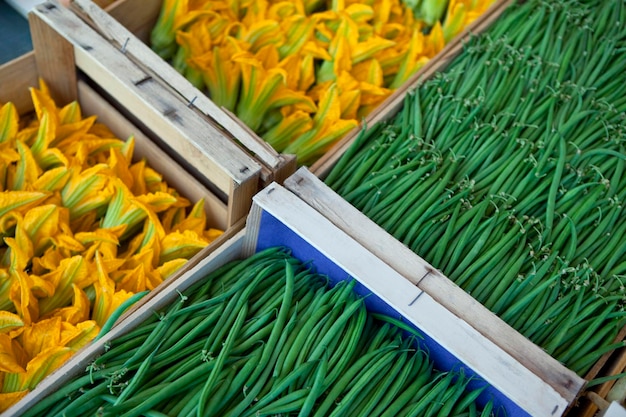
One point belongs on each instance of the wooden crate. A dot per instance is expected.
(67, 49)
(279, 218)
(557, 387)
(127, 24)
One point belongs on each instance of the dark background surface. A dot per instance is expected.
(14, 34)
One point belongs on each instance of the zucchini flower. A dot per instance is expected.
(327, 127)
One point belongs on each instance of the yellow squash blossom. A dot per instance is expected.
(327, 127)
(107, 297)
(248, 53)
(77, 217)
(9, 123)
(9, 321)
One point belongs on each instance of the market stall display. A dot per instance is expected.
(285, 328)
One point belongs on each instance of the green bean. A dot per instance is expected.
(221, 357)
(443, 406)
(545, 316)
(81, 405)
(571, 315)
(522, 299)
(554, 186)
(418, 211)
(392, 217)
(234, 305)
(434, 391)
(149, 394)
(510, 270)
(117, 313)
(491, 255)
(345, 353)
(378, 336)
(587, 361)
(618, 254)
(270, 350)
(288, 362)
(590, 327)
(316, 390)
(417, 389)
(289, 403)
(155, 336)
(127, 345)
(72, 386)
(545, 297)
(182, 404)
(282, 385)
(363, 384)
(384, 385)
(201, 325)
(406, 183)
(468, 400)
(138, 378)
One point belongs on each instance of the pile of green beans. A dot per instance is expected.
(266, 336)
(505, 171)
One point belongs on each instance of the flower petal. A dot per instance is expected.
(41, 336)
(43, 364)
(181, 245)
(8, 322)
(9, 122)
(7, 399)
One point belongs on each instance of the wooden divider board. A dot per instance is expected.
(131, 34)
(16, 77)
(204, 148)
(560, 386)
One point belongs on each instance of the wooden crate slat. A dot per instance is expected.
(16, 77)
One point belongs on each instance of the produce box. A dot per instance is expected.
(66, 47)
(279, 219)
(74, 201)
(556, 386)
(128, 23)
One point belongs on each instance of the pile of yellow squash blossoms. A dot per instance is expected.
(83, 229)
(302, 73)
